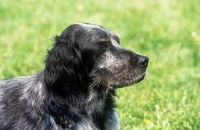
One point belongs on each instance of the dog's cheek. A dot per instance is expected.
(113, 63)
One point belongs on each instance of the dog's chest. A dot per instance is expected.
(86, 114)
(83, 123)
(95, 104)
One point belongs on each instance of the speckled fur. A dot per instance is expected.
(76, 89)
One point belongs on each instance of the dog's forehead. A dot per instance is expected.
(87, 25)
(96, 29)
(101, 31)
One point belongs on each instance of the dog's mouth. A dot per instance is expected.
(127, 81)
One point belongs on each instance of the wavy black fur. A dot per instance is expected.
(74, 91)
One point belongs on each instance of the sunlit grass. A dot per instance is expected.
(168, 32)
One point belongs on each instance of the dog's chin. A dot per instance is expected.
(127, 83)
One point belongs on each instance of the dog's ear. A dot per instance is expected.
(62, 61)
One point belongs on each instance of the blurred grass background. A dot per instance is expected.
(166, 31)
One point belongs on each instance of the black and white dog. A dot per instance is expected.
(77, 87)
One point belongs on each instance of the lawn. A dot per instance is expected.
(168, 32)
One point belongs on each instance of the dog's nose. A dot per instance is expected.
(143, 61)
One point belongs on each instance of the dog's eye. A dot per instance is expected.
(117, 39)
(104, 46)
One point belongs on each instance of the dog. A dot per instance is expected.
(76, 89)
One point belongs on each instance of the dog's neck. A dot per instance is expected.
(86, 105)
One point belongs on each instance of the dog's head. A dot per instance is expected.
(96, 53)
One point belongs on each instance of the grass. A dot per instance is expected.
(168, 32)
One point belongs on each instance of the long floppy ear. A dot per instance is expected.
(62, 62)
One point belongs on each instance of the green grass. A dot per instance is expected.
(168, 98)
